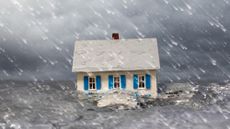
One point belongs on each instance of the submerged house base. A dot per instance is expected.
(126, 93)
(128, 100)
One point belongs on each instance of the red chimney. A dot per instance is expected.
(115, 36)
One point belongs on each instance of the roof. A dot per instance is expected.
(115, 55)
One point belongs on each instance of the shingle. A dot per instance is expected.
(115, 55)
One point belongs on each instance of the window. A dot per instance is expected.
(116, 83)
(92, 83)
(141, 80)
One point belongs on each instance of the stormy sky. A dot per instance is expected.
(37, 37)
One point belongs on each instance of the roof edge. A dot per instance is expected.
(116, 70)
(117, 40)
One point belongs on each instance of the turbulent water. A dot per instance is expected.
(54, 105)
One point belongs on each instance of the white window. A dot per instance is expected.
(92, 83)
(116, 83)
(141, 80)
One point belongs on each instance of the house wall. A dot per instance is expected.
(129, 81)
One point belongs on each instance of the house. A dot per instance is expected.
(126, 65)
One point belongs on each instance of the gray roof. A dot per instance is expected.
(115, 55)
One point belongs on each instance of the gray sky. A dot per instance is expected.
(37, 37)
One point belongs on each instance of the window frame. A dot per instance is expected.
(143, 81)
(114, 82)
(95, 83)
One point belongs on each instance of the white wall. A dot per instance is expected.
(129, 81)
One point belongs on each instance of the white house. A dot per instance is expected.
(126, 64)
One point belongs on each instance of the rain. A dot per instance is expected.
(37, 38)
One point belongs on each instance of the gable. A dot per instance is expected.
(115, 55)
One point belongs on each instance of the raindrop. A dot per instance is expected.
(24, 41)
(213, 62)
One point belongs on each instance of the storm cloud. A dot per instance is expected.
(37, 37)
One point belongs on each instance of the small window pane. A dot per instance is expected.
(141, 81)
(92, 85)
(116, 82)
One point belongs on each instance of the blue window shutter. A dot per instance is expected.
(98, 82)
(135, 81)
(110, 81)
(123, 81)
(86, 82)
(148, 81)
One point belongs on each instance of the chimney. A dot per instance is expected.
(115, 36)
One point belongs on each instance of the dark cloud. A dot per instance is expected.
(37, 37)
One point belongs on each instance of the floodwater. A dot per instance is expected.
(53, 105)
